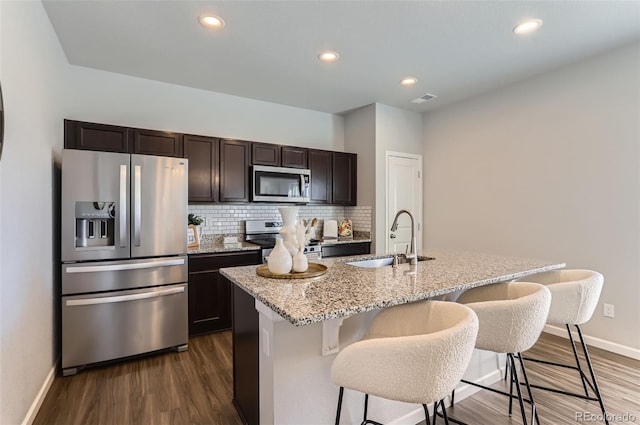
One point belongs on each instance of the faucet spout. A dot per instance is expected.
(413, 253)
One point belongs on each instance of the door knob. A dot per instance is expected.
(392, 236)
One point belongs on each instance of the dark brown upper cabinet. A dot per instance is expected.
(294, 157)
(154, 142)
(219, 169)
(97, 137)
(202, 153)
(112, 138)
(320, 166)
(345, 177)
(265, 154)
(276, 155)
(234, 170)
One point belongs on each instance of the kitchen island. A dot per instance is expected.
(286, 331)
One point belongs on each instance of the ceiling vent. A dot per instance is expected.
(427, 97)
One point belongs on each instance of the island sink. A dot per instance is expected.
(384, 261)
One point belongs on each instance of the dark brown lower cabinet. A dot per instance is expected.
(344, 249)
(210, 293)
(246, 360)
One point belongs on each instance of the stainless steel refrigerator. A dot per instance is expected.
(124, 263)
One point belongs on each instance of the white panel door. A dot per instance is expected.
(404, 191)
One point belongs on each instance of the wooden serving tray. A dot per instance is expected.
(314, 270)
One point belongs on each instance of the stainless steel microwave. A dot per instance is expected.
(280, 184)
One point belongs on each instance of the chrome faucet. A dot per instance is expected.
(412, 256)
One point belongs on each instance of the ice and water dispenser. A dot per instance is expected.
(95, 223)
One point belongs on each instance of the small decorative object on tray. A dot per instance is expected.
(345, 229)
(314, 270)
(279, 261)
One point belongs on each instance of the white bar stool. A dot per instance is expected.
(512, 316)
(574, 297)
(415, 353)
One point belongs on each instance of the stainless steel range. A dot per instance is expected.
(264, 234)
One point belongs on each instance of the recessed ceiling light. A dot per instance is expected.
(328, 56)
(211, 21)
(527, 26)
(408, 81)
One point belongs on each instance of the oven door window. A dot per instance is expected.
(277, 184)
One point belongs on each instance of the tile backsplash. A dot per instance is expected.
(229, 219)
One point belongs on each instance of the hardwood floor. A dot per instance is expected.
(195, 387)
(618, 378)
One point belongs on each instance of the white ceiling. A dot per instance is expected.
(268, 49)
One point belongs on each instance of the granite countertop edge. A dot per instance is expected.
(215, 247)
(339, 241)
(282, 303)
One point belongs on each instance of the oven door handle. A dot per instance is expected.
(122, 298)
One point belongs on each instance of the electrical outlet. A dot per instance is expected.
(608, 310)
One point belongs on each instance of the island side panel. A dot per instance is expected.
(301, 386)
(246, 364)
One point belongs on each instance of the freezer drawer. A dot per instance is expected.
(81, 278)
(112, 325)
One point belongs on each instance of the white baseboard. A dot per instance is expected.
(37, 402)
(462, 392)
(414, 417)
(613, 347)
(465, 390)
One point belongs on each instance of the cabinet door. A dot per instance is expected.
(320, 166)
(161, 143)
(202, 153)
(234, 170)
(97, 137)
(344, 178)
(210, 292)
(341, 250)
(265, 154)
(294, 157)
(209, 303)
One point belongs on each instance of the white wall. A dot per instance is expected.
(400, 131)
(40, 90)
(110, 98)
(360, 138)
(370, 132)
(32, 72)
(548, 168)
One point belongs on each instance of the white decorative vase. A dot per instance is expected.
(280, 261)
(300, 262)
(288, 230)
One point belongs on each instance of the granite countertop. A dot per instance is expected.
(346, 290)
(208, 246)
(355, 239)
(211, 246)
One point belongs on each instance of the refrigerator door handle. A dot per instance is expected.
(122, 298)
(122, 218)
(137, 203)
(121, 267)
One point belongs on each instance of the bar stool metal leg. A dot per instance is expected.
(339, 405)
(534, 411)
(586, 382)
(595, 386)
